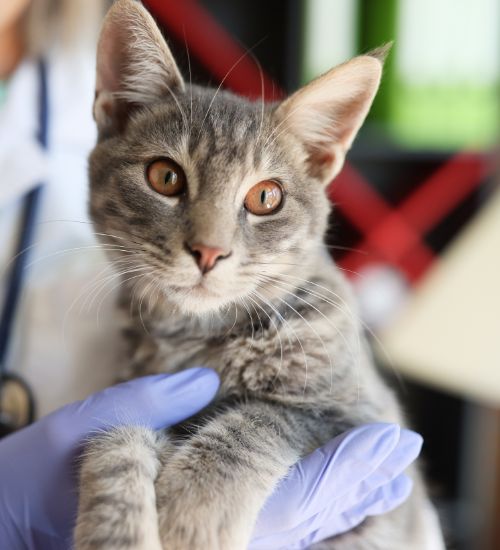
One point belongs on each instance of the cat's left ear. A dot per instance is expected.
(134, 66)
(326, 114)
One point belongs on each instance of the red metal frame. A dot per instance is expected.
(392, 235)
(214, 47)
(395, 235)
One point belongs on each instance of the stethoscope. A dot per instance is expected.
(17, 404)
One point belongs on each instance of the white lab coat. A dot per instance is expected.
(60, 348)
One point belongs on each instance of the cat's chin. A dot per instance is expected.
(199, 300)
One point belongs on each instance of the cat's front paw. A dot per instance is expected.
(195, 519)
(117, 493)
(199, 532)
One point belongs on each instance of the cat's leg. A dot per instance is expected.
(211, 490)
(117, 507)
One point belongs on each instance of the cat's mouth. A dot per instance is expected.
(198, 298)
(203, 289)
(198, 289)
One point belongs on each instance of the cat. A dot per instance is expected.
(214, 209)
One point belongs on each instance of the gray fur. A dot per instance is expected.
(278, 323)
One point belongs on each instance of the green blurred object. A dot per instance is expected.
(445, 117)
(329, 31)
(377, 26)
(445, 92)
(441, 83)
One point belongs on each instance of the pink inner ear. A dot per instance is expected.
(110, 112)
(326, 114)
(348, 116)
(110, 58)
(320, 162)
(134, 64)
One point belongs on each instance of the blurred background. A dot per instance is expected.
(416, 223)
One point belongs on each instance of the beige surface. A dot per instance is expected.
(449, 333)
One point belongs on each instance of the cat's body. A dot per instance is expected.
(271, 314)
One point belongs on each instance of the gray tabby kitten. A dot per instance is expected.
(216, 208)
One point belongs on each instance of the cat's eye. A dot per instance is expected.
(166, 177)
(264, 198)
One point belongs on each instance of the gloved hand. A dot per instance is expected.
(38, 481)
(38, 497)
(356, 475)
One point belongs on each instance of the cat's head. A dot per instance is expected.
(203, 194)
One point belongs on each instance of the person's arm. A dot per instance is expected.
(38, 477)
(323, 495)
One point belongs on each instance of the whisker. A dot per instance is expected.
(131, 263)
(242, 301)
(234, 322)
(77, 249)
(275, 129)
(260, 322)
(144, 293)
(234, 65)
(262, 92)
(312, 329)
(329, 321)
(355, 319)
(96, 233)
(271, 320)
(94, 283)
(112, 289)
(154, 296)
(109, 279)
(285, 322)
(344, 248)
(190, 75)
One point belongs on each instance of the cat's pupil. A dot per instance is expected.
(170, 178)
(263, 196)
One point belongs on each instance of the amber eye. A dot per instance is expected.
(264, 198)
(166, 177)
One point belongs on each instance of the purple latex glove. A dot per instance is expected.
(356, 475)
(38, 496)
(38, 489)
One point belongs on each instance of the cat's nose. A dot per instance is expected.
(206, 256)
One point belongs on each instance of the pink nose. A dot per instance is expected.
(206, 256)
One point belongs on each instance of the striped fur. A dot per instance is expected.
(275, 319)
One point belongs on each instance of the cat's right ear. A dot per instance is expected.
(134, 66)
(326, 114)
